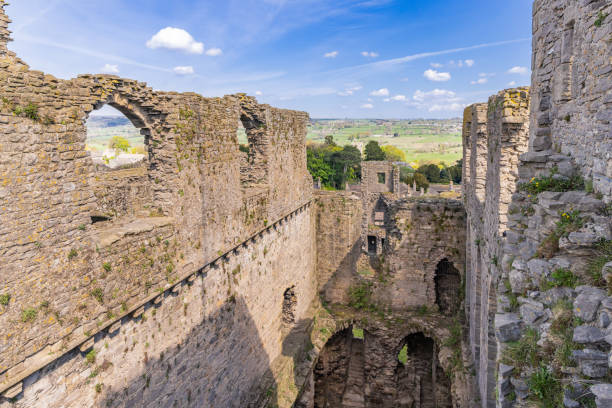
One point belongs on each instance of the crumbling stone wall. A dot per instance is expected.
(504, 131)
(366, 372)
(68, 279)
(546, 226)
(571, 85)
(421, 234)
(338, 224)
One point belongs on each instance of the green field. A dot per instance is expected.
(422, 141)
(97, 138)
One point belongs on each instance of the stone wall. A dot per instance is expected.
(571, 66)
(82, 251)
(338, 223)
(211, 340)
(489, 184)
(538, 248)
(421, 233)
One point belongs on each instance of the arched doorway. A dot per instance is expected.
(420, 380)
(448, 284)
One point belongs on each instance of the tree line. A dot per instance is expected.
(336, 166)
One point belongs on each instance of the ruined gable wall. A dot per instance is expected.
(571, 87)
(420, 233)
(75, 278)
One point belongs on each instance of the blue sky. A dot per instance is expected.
(333, 59)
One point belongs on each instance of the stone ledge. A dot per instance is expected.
(108, 236)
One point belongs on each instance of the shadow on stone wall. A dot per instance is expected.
(216, 365)
(336, 288)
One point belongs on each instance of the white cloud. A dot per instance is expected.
(421, 96)
(480, 81)
(367, 106)
(110, 69)
(183, 70)
(518, 70)
(436, 65)
(369, 54)
(214, 52)
(332, 54)
(436, 76)
(512, 83)
(380, 92)
(469, 62)
(175, 39)
(350, 91)
(447, 107)
(258, 93)
(398, 98)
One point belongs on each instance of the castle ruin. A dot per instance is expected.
(213, 278)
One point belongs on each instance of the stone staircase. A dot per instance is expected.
(353, 394)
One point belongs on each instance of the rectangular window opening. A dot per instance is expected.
(382, 178)
(371, 244)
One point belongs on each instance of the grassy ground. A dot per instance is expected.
(97, 138)
(421, 142)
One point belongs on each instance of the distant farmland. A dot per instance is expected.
(421, 140)
(100, 129)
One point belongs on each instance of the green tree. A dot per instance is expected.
(455, 171)
(407, 175)
(393, 154)
(346, 164)
(373, 152)
(119, 143)
(431, 172)
(421, 182)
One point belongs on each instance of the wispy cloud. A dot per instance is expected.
(369, 54)
(110, 69)
(214, 52)
(90, 53)
(332, 54)
(436, 76)
(188, 70)
(38, 16)
(380, 92)
(350, 90)
(367, 106)
(518, 70)
(409, 58)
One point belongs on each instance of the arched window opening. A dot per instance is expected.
(448, 284)
(113, 140)
(289, 305)
(252, 143)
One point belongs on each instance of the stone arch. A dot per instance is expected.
(332, 368)
(420, 379)
(447, 281)
(126, 189)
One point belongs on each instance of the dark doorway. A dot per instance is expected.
(448, 285)
(371, 244)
